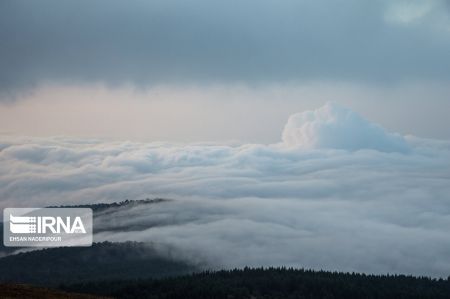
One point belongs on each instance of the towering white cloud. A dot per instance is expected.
(334, 126)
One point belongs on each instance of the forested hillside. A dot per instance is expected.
(273, 283)
(52, 266)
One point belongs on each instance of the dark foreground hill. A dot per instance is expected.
(13, 291)
(272, 283)
(102, 261)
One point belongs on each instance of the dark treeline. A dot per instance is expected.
(272, 283)
(97, 207)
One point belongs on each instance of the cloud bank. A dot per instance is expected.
(337, 205)
(333, 126)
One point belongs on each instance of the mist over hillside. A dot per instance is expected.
(338, 192)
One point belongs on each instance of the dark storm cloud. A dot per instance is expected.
(149, 42)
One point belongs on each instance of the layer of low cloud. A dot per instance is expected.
(149, 42)
(337, 207)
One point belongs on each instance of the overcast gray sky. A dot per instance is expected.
(199, 64)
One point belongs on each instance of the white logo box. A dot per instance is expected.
(47, 227)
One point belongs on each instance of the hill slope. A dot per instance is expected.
(273, 283)
(20, 291)
(52, 266)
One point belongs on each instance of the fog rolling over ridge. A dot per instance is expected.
(337, 193)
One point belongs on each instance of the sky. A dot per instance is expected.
(173, 71)
(298, 133)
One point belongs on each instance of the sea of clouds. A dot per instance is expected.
(337, 193)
